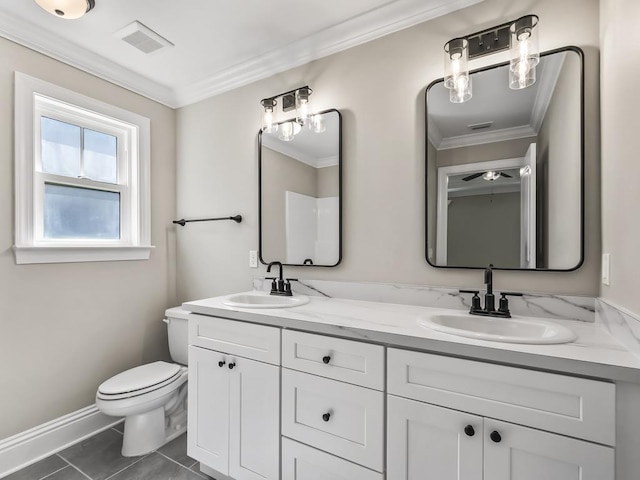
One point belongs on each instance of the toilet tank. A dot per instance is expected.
(178, 332)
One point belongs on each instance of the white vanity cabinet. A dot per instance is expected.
(234, 399)
(332, 408)
(445, 427)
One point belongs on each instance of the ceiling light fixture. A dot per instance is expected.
(297, 99)
(68, 9)
(520, 36)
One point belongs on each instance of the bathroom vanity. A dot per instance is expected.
(345, 389)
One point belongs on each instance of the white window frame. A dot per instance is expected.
(35, 98)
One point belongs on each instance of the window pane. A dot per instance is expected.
(74, 212)
(100, 156)
(60, 147)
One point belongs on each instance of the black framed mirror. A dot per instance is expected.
(300, 191)
(505, 170)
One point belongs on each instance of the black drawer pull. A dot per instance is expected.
(469, 430)
(495, 437)
(221, 363)
(326, 417)
(326, 359)
(231, 365)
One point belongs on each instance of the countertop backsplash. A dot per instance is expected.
(559, 307)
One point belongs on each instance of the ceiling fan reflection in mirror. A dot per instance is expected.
(488, 175)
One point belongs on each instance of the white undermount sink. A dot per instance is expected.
(264, 300)
(511, 330)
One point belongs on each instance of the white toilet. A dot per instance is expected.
(152, 397)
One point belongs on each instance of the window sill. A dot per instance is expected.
(68, 254)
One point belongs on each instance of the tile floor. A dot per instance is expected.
(98, 458)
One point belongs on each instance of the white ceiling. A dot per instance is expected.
(219, 44)
(514, 113)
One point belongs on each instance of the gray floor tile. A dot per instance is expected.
(68, 473)
(156, 467)
(39, 470)
(99, 456)
(177, 450)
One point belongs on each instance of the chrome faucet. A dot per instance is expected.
(489, 309)
(280, 286)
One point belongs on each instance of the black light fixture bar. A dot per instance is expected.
(288, 98)
(491, 40)
(183, 222)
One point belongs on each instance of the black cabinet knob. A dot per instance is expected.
(326, 417)
(469, 430)
(495, 436)
(221, 363)
(231, 365)
(326, 359)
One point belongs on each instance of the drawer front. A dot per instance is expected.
(233, 337)
(301, 462)
(571, 406)
(336, 417)
(345, 360)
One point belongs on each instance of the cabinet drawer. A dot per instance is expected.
(301, 462)
(345, 360)
(336, 417)
(247, 340)
(571, 406)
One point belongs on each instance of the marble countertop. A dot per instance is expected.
(595, 353)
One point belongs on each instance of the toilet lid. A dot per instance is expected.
(140, 378)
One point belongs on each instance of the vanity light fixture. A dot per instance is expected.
(68, 9)
(316, 124)
(297, 99)
(520, 36)
(456, 64)
(525, 54)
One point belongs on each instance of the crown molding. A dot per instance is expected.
(374, 24)
(387, 19)
(487, 137)
(42, 41)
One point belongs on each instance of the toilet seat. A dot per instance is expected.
(140, 381)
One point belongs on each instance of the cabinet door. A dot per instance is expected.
(425, 442)
(254, 421)
(208, 419)
(521, 453)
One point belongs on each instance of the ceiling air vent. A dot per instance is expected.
(143, 38)
(480, 126)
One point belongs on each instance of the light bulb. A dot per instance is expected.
(317, 124)
(456, 59)
(268, 123)
(68, 9)
(461, 91)
(491, 176)
(288, 130)
(524, 52)
(302, 105)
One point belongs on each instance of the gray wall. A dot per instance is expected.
(483, 153)
(620, 165)
(379, 88)
(279, 174)
(65, 328)
(484, 229)
(559, 139)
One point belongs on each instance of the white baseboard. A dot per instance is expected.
(39, 442)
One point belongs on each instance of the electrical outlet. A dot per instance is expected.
(253, 258)
(606, 268)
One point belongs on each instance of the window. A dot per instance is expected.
(82, 177)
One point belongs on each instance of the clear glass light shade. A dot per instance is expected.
(316, 124)
(491, 176)
(456, 61)
(303, 107)
(525, 54)
(288, 130)
(69, 9)
(461, 92)
(456, 67)
(269, 124)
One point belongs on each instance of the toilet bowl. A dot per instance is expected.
(153, 397)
